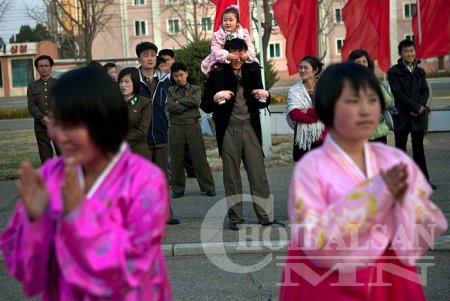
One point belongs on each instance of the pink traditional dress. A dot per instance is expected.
(219, 54)
(107, 249)
(349, 235)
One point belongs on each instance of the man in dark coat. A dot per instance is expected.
(40, 103)
(234, 93)
(409, 87)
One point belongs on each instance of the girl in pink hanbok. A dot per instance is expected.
(230, 29)
(360, 212)
(89, 225)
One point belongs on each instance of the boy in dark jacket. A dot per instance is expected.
(409, 87)
(154, 86)
(185, 132)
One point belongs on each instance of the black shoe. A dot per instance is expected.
(275, 222)
(173, 221)
(433, 186)
(177, 195)
(211, 193)
(235, 226)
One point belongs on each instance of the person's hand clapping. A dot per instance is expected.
(395, 179)
(73, 194)
(32, 191)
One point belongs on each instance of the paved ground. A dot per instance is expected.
(195, 277)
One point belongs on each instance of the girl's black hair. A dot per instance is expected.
(134, 75)
(88, 96)
(358, 53)
(331, 84)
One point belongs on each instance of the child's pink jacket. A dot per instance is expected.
(219, 55)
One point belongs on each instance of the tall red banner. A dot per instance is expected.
(367, 27)
(434, 39)
(244, 12)
(297, 20)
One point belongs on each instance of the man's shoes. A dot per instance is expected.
(433, 186)
(275, 222)
(211, 193)
(235, 226)
(177, 195)
(173, 221)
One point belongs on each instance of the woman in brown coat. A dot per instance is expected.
(139, 111)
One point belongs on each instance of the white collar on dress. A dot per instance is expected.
(351, 163)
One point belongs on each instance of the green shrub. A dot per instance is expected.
(14, 113)
(438, 74)
(192, 55)
(278, 98)
(270, 74)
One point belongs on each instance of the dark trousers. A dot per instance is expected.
(401, 139)
(45, 146)
(382, 139)
(241, 144)
(160, 156)
(189, 137)
(298, 153)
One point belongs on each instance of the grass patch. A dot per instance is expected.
(441, 94)
(15, 147)
(13, 113)
(19, 145)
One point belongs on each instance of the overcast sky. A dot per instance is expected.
(15, 17)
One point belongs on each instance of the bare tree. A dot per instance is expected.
(76, 22)
(4, 6)
(190, 13)
(326, 25)
(268, 22)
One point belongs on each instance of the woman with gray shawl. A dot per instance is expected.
(309, 131)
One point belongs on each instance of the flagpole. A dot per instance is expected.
(265, 116)
(419, 23)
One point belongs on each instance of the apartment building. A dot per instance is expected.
(172, 23)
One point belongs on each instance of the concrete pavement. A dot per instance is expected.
(197, 277)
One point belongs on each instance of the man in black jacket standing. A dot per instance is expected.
(234, 93)
(409, 87)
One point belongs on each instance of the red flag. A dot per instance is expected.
(244, 12)
(297, 20)
(435, 28)
(367, 27)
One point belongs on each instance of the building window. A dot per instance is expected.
(173, 25)
(206, 24)
(170, 2)
(138, 2)
(274, 21)
(140, 28)
(339, 44)
(22, 72)
(338, 16)
(409, 36)
(274, 50)
(408, 10)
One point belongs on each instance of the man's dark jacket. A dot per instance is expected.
(221, 78)
(410, 92)
(159, 124)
